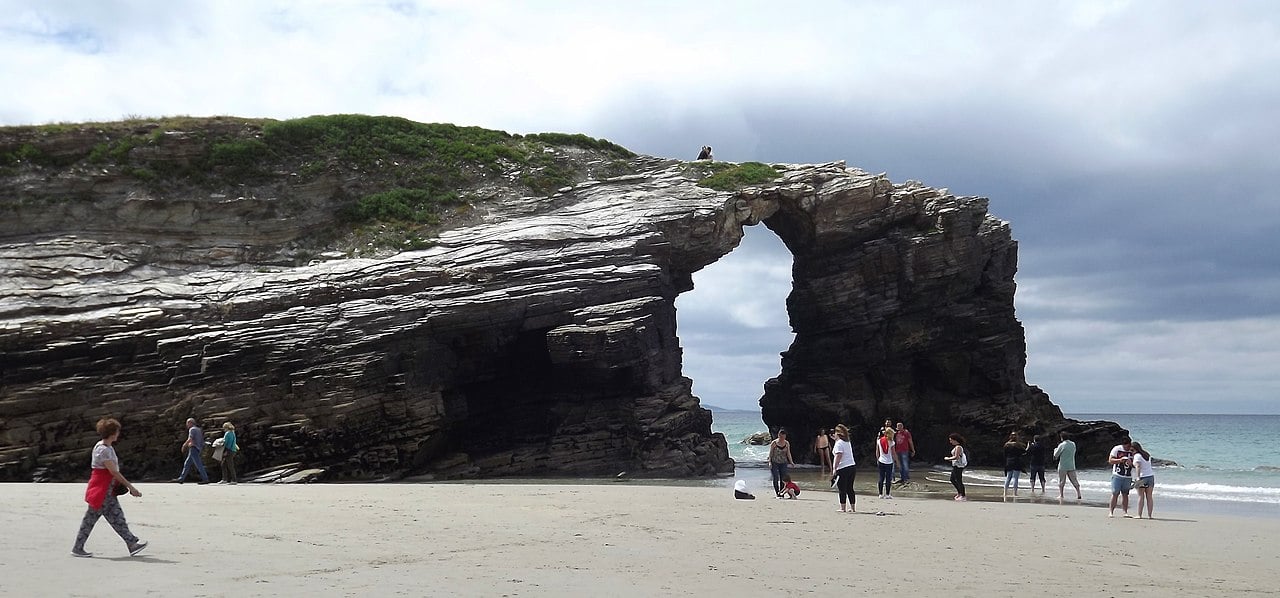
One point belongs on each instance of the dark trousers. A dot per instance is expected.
(779, 471)
(844, 483)
(886, 478)
(957, 479)
(229, 467)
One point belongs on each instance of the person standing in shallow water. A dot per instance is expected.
(1036, 454)
(779, 460)
(822, 446)
(100, 494)
(1013, 451)
(1066, 456)
(959, 460)
(842, 457)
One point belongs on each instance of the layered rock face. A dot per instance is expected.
(540, 339)
(903, 309)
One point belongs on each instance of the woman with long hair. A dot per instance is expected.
(1146, 478)
(104, 477)
(959, 460)
(1013, 451)
(884, 461)
(842, 455)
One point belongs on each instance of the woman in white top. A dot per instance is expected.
(884, 461)
(959, 460)
(1146, 479)
(104, 479)
(842, 455)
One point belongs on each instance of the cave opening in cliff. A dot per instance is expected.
(732, 327)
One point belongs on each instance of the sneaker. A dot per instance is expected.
(203, 482)
(136, 548)
(888, 497)
(179, 480)
(81, 553)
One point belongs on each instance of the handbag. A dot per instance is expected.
(119, 489)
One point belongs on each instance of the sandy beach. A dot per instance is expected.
(618, 539)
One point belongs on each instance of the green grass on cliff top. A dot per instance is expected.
(738, 176)
(397, 174)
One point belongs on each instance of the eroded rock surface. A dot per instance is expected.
(539, 340)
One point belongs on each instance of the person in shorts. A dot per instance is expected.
(1121, 460)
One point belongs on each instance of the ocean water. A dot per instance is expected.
(1226, 463)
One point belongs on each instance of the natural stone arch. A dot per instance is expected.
(553, 317)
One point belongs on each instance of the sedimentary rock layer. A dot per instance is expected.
(540, 340)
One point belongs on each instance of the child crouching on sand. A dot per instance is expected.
(789, 488)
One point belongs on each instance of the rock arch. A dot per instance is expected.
(539, 341)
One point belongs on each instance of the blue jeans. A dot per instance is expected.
(193, 456)
(1011, 479)
(904, 466)
(779, 471)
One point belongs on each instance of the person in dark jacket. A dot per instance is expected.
(1013, 451)
(1037, 454)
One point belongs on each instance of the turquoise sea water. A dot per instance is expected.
(1228, 463)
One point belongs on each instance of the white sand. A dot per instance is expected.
(617, 540)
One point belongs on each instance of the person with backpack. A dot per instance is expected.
(959, 460)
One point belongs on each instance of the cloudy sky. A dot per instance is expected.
(1132, 145)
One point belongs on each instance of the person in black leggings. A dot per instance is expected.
(842, 457)
(959, 460)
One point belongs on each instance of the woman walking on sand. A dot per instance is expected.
(822, 446)
(100, 494)
(842, 456)
(959, 460)
(779, 460)
(1013, 451)
(884, 461)
(1146, 479)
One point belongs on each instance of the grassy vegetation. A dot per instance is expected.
(582, 141)
(420, 206)
(740, 175)
(403, 178)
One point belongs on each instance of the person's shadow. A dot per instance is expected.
(143, 558)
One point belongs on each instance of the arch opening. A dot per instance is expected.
(732, 327)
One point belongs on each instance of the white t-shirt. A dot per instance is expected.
(882, 456)
(1143, 465)
(1121, 469)
(843, 452)
(101, 454)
